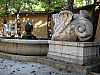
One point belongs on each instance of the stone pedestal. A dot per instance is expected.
(74, 52)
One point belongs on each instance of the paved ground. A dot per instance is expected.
(9, 67)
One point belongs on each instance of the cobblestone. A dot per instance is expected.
(10, 67)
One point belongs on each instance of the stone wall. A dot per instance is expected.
(39, 22)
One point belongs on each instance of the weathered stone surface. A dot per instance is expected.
(24, 47)
(67, 28)
(83, 28)
(74, 52)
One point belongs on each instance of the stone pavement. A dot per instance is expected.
(10, 67)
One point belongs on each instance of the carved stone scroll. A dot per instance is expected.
(67, 28)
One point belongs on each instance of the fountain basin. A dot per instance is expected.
(24, 47)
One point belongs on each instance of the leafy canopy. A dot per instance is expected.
(12, 6)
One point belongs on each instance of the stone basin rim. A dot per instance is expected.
(24, 47)
(24, 41)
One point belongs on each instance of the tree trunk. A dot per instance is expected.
(97, 38)
(70, 5)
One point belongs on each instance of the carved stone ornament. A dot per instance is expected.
(67, 28)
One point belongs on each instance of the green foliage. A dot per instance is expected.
(57, 4)
(80, 3)
(12, 6)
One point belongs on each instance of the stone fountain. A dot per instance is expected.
(71, 40)
(28, 45)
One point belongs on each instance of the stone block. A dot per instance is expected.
(54, 54)
(58, 48)
(74, 52)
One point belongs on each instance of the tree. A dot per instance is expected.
(70, 5)
(13, 6)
